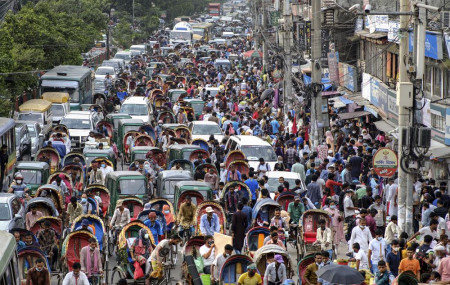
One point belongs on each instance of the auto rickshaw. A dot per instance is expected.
(114, 119)
(174, 94)
(49, 156)
(125, 183)
(140, 152)
(126, 125)
(197, 105)
(184, 164)
(35, 173)
(180, 151)
(158, 156)
(92, 153)
(166, 181)
(199, 192)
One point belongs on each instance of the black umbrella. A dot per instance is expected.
(340, 274)
(266, 94)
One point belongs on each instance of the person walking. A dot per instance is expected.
(238, 227)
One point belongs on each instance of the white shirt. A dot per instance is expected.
(70, 279)
(363, 237)
(362, 257)
(392, 232)
(348, 203)
(375, 246)
(207, 261)
(107, 169)
(426, 231)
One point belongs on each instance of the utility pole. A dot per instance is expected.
(316, 71)
(256, 18)
(263, 30)
(287, 87)
(403, 113)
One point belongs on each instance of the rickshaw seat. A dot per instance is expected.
(309, 237)
(229, 275)
(238, 268)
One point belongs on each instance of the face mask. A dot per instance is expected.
(362, 227)
(379, 238)
(227, 255)
(103, 165)
(83, 200)
(19, 182)
(395, 249)
(38, 269)
(333, 207)
(167, 212)
(92, 248)
(146, 236)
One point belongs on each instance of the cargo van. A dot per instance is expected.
(37, 110)
(60, 104)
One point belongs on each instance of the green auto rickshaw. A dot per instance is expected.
(126, 125)
(92, 153)
(197, 105)
(35, 174)
(140, 152)
(197, 190)
(180, 151)
(123, 184)
(114, 119)
(174, 94)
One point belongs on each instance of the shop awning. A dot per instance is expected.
(345, 100)
(438, 150)
(330, 93)
(352, 115)
(385, 126)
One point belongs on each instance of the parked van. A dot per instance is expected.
(138, 107)
(37, 110)
(254, 148)
(60, 104)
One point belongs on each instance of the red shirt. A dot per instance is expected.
(370, 222)
(330, 185)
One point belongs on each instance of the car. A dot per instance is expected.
(138, 107)
(254, 148)
(113, 63)
(141, 48)
(23, 142)
(80, 123)
(101, 72)
(12, 212)
(34, 131)
(125, 55)
(99, 86)
(204, 129)
(288, 176)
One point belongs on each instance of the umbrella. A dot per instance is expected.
(253, 53)
(340, 274)
(266, 94)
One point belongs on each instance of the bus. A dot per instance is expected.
(214, 9)
(7, 138)
(72, 79)
(9, 270)
(204, 30)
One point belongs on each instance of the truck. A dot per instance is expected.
(214, 9)
(181, 33)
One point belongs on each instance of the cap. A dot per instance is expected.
(439, 247)
(251, 266)
(279, 258)
(297, 198)
(330, 151)
(209, 210)
(119, 203)
(85, 222)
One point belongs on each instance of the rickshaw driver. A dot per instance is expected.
(48, 241)
(295, 210)
(108, 81)
(186, 217)
(140, 250)
(120, 218)
(157, 255)
(91, 261)
(154, 226)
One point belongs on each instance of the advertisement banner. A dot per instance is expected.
(365, 86)
(433, 45)
(333, 66)
(426, 113)
(394, 26)
(385, 162)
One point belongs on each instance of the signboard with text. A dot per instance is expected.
(385, 162)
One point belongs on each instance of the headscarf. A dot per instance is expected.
(169, 217)
(329, 136)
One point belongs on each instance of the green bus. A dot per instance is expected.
(75, 80)
(7, 139)
(9, 271)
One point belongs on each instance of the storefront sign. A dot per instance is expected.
(385, 162)
(394, 26)
(333, 66)
(378, 23)
(433, 45)
(348, 76)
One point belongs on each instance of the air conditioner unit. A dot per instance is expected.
(445, 19)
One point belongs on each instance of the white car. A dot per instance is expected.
(138, 107)
(125, 55)
(101, 72)
(204, 129)
(80, 123)
(274, 177)
(254, 148)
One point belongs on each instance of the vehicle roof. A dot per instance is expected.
(204, 123)
(32, 165)
(222, 60)
(136, 100)
(56, 97)
(145, 148)
(117, 174)
(249, 140)
(20, 125)
(95, 150)
(105, 67)
(285, 174)
(183, 146)
(5, 197)
(77, 114)
(7, 248)
(38, 105)
(123, 52)
(177, 90)
(6, 124)
(193, 183)
(72, 71)
(131, 121)
(114, 115)
(176, 173)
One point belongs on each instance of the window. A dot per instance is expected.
(438, 122)
(428, 76)
(437, 82)
(447, 84)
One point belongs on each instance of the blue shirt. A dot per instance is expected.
(209, 228)
(248, 211)
(275, 126)
(253, 185)
(156, 229)
(299, 141)
(20, 245)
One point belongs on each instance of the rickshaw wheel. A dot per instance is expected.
(115, 273)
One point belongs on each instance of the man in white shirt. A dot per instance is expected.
(349, 211)
(391, 197)
(105, 168)
(324, 237)
(377, 251)
(208, 252)
(361, 235)
(360, 257)
(430, 230)
(218, 262)
(76, 277)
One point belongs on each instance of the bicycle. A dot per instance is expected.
(186, 233)
(95, 279)
(166, 267)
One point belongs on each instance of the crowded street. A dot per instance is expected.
(208, 149)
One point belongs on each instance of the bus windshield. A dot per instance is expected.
(180, 35)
